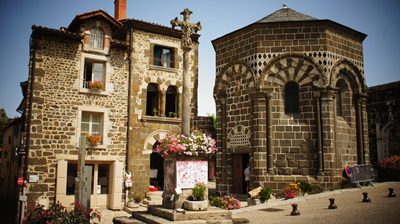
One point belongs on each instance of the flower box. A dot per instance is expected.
(96, 85)
(195, 205)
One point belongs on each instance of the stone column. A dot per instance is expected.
(259, 137)
(270, 151)
(162, 103)
(359, 120)
(188, 29)
(317, 96)
(328, 131)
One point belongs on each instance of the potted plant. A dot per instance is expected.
(265, 194)
(154, 111)
(196, 201)
(134, 200)
(96, 85)
(173, 114)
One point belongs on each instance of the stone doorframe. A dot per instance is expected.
(151, 139)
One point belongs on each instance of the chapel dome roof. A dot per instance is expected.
(285, 15)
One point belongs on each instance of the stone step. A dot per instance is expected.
(154, 193)
(212, 213)
(148, 218)
(154, 198)
(126, 220)
(152, 202)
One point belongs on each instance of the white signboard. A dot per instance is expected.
(191, 172)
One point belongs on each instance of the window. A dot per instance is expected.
(93, 73)
(292, 97)
(91, 123)
(171, 100)
(152, 100)
(96, 38)
(163, 56)
(342, 96)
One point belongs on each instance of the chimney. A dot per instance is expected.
(119, 9)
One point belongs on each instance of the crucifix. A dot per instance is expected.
(188, 29)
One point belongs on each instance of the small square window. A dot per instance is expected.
(163, 56)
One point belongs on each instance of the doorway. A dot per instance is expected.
(100, 183)
(156, 170)
(239, 164)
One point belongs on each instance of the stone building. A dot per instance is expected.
(112, 77)
(290, 97)
(384, 120)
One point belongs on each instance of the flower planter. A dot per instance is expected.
(253, 201)
(195, 205)
(388, 175)
(132, 204)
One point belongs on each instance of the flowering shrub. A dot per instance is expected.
(96, 85)
(292, 190)
(391, 162)
(190, 145)
(57, 213)
(227, 202)
(93, 139)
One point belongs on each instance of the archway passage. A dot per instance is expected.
(156, 170)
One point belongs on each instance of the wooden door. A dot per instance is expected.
(237, 174)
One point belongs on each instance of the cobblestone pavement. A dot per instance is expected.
(314, 208)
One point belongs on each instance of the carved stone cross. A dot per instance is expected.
(188, 29)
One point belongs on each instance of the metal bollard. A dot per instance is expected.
(332, 205)
(391, 193)
(366, 198)
(295, 211)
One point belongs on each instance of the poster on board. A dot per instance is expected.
(191, 172)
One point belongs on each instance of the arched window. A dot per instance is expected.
(171, 102)
(342, 96)
(96, 38)
(152, 100)
(292, 97)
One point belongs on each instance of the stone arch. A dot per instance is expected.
(239, 137)
(342, 68)
(388, 140)
(230, 70)
(151, 139)
(291, 67)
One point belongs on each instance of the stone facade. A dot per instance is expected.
(291, 99)
(61, 105)
(384, 121)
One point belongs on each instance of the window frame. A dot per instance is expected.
(158, 56)
(83, 84)
(96, 38)
(150, 104)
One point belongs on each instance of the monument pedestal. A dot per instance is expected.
(181, 173)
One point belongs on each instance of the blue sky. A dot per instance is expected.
(378, 19)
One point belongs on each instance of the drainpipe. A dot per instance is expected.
(28, 125)
(129, 94)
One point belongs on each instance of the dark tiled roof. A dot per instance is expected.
(285, 15)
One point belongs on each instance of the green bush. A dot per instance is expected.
(265, 193)
(305, 187)
(216, 201)
(199, 191)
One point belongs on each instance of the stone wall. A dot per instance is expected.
(58, 101)
(253, 66)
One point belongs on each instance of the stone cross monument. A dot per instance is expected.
(188, 29)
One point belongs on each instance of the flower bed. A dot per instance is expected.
(389, 169)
